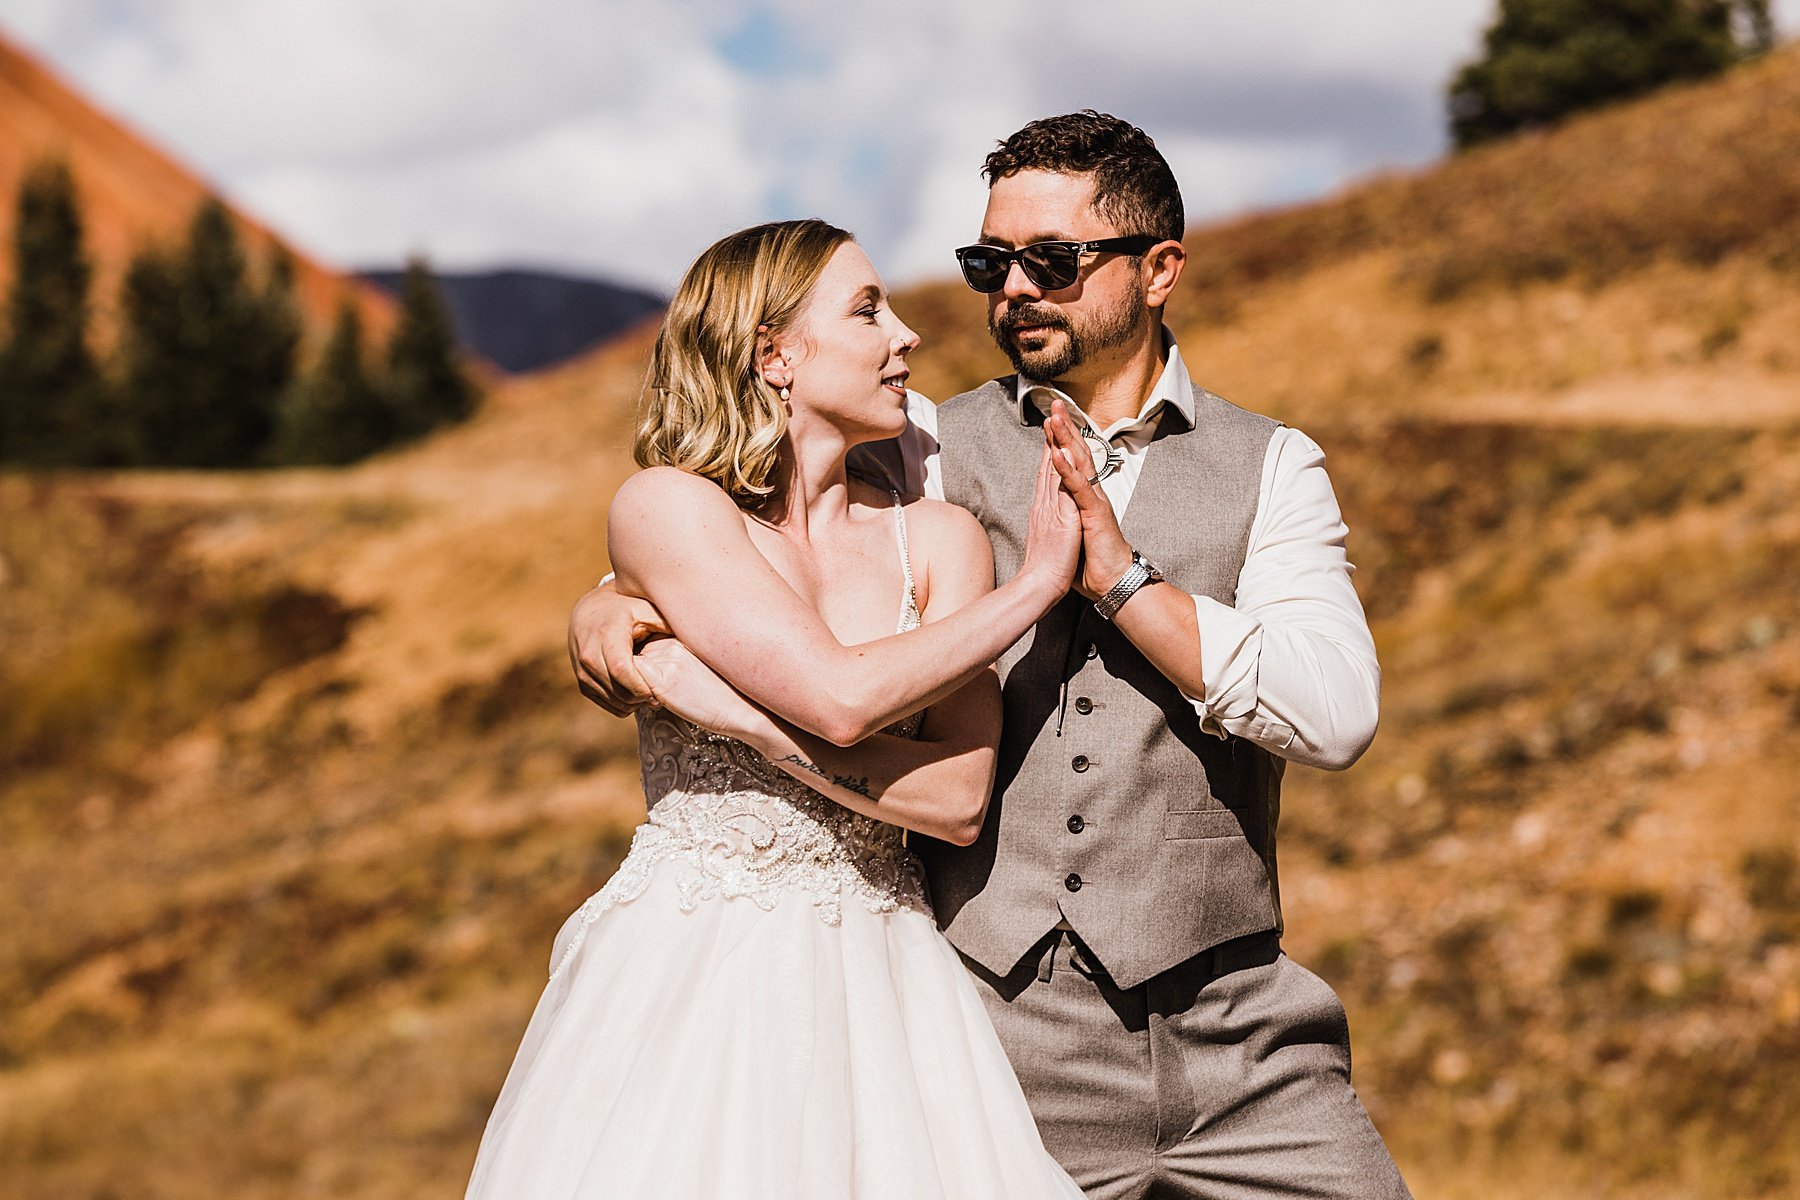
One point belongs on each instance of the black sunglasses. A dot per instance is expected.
(1049, 265)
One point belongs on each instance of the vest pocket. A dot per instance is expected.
(1206, 823)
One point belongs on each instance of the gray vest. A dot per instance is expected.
(1111, 808)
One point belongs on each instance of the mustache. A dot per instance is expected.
(1020, 316)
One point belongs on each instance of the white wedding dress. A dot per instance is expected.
(759, 1005)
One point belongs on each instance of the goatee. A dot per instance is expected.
(1104, 330)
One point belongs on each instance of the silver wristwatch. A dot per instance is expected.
(1140, 572)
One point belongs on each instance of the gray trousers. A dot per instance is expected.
(1226, 1076)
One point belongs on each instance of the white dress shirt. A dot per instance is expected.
(1292, 666)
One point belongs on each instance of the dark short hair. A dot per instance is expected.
(1134, 189)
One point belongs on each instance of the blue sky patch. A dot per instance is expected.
(763, 44)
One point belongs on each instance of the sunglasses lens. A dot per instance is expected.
(1051, 265)
(985, 267)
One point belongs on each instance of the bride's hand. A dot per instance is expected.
(690, 689)
(1053, 537)
(1106, 555)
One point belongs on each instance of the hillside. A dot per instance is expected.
(295, 789)
(131, 192)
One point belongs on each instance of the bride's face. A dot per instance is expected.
(847, 352)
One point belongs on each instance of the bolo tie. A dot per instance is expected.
(1109, 457)
(1103, 452)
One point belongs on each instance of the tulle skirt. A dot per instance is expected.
(738, 1051)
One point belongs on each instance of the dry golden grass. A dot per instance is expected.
(273, 953)
(1560, 893)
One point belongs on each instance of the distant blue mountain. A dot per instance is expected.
(523, 320)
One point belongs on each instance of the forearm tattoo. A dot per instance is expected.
(850, 783)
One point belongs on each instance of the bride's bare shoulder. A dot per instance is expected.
(939, 520)
(658, 496)
(669, 516)
(668, 483)
(952, 557)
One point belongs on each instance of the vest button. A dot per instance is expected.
(1083, 705)
(1076, 824)
(1073, 882)
(1080, 762)
(1093, 651)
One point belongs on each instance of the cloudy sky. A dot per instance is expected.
(618, 137)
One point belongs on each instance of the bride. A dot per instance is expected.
(758, 1003)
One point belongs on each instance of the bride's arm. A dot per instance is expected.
(937, 783)
(678, 541)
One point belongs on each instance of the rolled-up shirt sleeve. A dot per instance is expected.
(1292, 667)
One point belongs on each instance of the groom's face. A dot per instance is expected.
(1080, 332)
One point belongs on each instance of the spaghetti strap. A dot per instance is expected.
(909, 608)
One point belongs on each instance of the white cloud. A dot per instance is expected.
(949, 195)
(339, 82)
(620, 136)
(599, 193)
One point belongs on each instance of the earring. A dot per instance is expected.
(783, 393)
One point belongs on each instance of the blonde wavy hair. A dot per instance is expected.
(706, 407)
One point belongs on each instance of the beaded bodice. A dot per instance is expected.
(738, 827)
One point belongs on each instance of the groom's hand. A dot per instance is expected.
(605, 629)
(1106, 555)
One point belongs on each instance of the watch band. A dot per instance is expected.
(1136, 576)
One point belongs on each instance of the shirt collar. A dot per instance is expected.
(1173, 387)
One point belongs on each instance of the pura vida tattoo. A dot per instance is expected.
(850, 783)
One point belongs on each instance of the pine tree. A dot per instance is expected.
(426, 384)
(207, 357)
(275, 343)
(229, 407)
(1545, 59)
(51, 392)
(336, 414)
(153, 348)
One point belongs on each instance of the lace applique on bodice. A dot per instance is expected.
(743, 828)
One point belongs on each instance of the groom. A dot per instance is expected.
(1120, 911)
